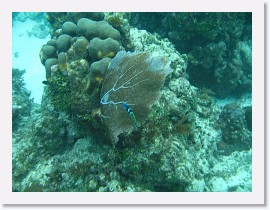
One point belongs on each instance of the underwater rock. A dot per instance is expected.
(114, 186)
(219, 185)
(232, 121)
(99, 48)
(235, 133)
(196, 186)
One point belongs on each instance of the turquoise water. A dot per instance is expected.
(27, 39)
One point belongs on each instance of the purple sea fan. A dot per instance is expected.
(134, 79)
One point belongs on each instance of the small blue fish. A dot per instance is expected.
(130, 112)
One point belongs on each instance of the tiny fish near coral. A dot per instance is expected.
(129, 110)
(133, 80)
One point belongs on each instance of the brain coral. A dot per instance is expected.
(46, 52)
(98, 69)
(99, 48)
(88, 39)
(63, 43)
(91, 29)
(80, 46)
(69, 28)
(75, 60)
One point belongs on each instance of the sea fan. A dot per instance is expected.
(134, 79)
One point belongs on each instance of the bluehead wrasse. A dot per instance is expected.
(131, 113)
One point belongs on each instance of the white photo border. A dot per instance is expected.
(257, 195)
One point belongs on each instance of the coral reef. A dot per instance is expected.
(68, 70)
(47, 51)
(99, 48)
(25, 153)
(71, 60)
(21, 104)
(218, 46)
(119, 21)
(56, 19)
(64, 147)
(80, 47)
(248, 115)
(69, 28)
(63, 43)
(101, 29)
